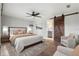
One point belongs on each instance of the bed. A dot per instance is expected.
(19, 38)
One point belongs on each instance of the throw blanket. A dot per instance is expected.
(12, 38)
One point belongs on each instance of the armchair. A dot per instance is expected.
(68, 41)
(63, 51)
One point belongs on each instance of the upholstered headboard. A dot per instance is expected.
(17, 30)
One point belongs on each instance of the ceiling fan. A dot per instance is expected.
(34, 14)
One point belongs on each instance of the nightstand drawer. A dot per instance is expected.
(4, 39)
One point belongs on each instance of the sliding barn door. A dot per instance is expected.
(58, 28)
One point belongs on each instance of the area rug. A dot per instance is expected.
(30, 51)
(46, 48)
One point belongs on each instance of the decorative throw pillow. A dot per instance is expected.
(17, 32)
(77, 42)
(70, 36)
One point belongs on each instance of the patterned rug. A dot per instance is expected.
(30, 51)
(46, 48)
(34, 50)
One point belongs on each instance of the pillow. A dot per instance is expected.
(68, 37)
(19, 31)
(71, 36)
(77, 37)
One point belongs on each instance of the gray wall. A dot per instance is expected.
(8, 21)
(14, 22)
(0, 24)
(41, 23)
(0, 18)
(72, 24)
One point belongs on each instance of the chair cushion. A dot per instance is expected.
(75, 51)
(58, 53)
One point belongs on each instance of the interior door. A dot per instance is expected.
(58, 28)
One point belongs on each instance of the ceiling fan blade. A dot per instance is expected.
(38, 16)
(28, 16)
(28, 13)
(37, 13)
(34, 14)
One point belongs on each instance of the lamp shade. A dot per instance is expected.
(5, 30)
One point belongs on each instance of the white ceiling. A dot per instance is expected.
(47, 10)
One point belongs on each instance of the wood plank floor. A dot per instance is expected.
(51, 48)
(47, 48)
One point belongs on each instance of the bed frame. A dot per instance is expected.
(26, 30)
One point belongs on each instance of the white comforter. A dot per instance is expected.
(21, 42)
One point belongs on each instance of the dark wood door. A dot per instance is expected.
(58, 28)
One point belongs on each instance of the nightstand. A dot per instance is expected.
(4, 38)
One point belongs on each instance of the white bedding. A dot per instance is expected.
(21, 42)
